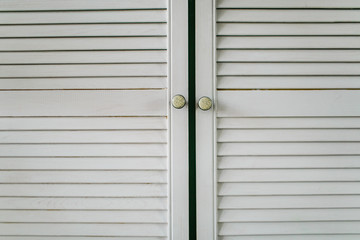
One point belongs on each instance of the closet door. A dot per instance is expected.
(278, 155)
(89, 144)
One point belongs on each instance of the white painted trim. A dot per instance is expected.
(205, 121)
(178, 120)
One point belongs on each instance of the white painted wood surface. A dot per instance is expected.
(205, 121)
(95, 43)
(43, 5)
(264, 15)
(287, 134)
(85, 125)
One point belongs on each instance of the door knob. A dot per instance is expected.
(205, 103)
(178, 101)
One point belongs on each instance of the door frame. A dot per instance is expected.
(206, 120)
(178, 120)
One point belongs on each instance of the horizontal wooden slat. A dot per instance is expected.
(295, 123)
(288, 56)
(286, 82)
(225, 69)
(296, 202)
(288, 103)
(39, 203)
(83, 17)
(98, 43)
(290, 237)
(287, 237)
(83, 216)
(94, 163)
(296, 29)
(334, 148)
(288, 4)
(83, 70)
(83, 190)
(85, 150)
(288, 42)
(241, 15)
(289, 175)
(23, 5)
(286, 162)
(290, 228)
(83, 177)
(84, 30)
(313, 188)
(83, 57)
(82, 238)
(285, 135)
(84, 83)
(290, 215)
(83, 103)
(113, 136)
(84, 229)
(79, 123)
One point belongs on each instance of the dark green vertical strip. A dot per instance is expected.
(192, 132)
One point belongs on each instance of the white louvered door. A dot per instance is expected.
(89, 146)
(278, 157)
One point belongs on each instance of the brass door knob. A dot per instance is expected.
(205, 103)
(178, 101)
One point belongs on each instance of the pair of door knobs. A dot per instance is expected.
(179, 101)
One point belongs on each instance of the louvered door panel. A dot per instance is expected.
(268, 156)
(84, 139)
(286, 117)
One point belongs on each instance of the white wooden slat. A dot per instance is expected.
(73, 203)
(23, 5)
(113, 136)
(295, 123)
(84, 70)
(262, 15)
(290, 215)
(295, 29)
(124, 176)
(271, 103)
(291, 237)
(300, 188)
(285, 135)
(83, 17)
(83, 57)
(83, 190)
(289, 162)
(96, 43)
(289, 175)
(83, 216)
(308, 148)
(79, 123)
(288, 56)
(287, 202)
(82, 238)
(94, 163)
(83, 103)
(83, 150)
(85, 30)
(285, 82)
(225, 69)
(290, 228)
(288, 4)
(288, 42)
(83, 229)
(84, 83)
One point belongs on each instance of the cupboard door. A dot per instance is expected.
(278, 154)
(89, 144)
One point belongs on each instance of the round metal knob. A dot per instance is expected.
(205, 103)
(178, 101)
